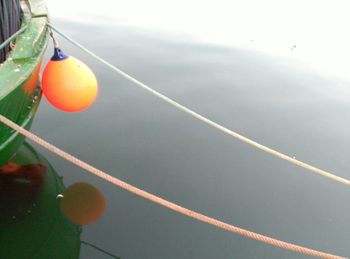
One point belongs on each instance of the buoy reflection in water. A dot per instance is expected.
(83, 203)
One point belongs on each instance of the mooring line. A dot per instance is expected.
(99, 249)
(194, 114)
(165, 203)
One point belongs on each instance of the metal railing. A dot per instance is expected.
(10, 24)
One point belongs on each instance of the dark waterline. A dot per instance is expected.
(143, 141)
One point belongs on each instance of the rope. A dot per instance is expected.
(206, 120)
(13, 36)
(99, 249)
(172, 206)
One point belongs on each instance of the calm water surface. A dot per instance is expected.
(145, 142)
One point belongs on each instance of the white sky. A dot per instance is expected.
(318, 28)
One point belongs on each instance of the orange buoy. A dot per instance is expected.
(82, 203)
(68, 84)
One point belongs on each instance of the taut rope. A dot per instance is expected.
(163, 202)
(206, 120)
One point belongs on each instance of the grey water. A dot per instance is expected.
(136, 137)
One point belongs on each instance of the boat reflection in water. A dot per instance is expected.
(31, 221)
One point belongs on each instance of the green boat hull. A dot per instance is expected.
(19, 77)
(13, 140)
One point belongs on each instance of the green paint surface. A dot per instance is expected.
(15, 103)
